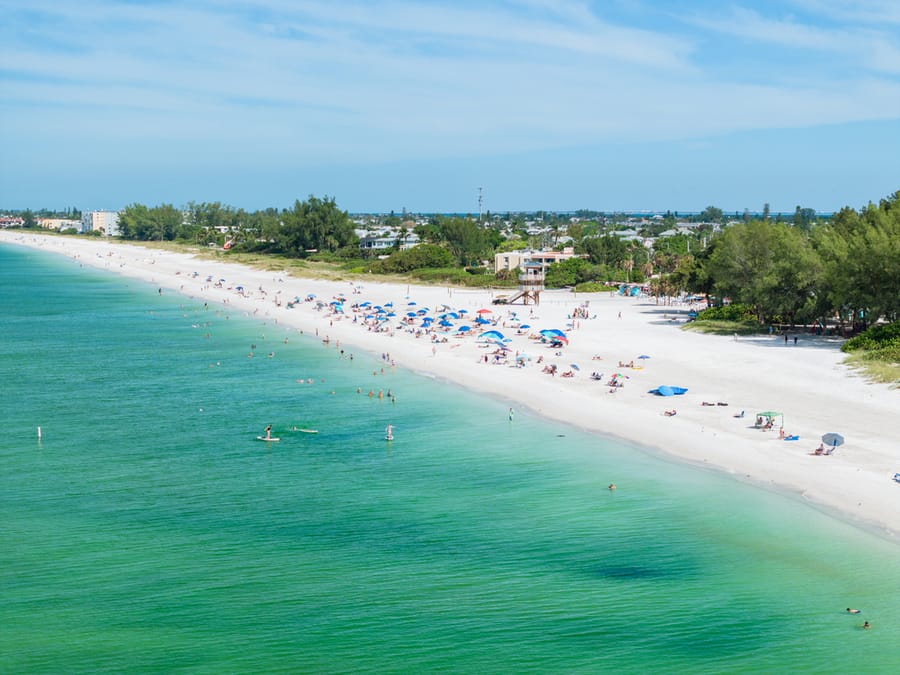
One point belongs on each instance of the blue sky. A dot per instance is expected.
(545, 104)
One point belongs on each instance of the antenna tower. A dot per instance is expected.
(480, 206)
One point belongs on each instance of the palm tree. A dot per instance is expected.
(628, 265)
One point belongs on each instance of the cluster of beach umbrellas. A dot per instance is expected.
(445, 320)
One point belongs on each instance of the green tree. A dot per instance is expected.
(313, 225)
(468, 242)
(767, 265)
(712, 214)
(606, 250)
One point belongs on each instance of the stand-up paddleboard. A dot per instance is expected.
(271, 439)
(307, 431)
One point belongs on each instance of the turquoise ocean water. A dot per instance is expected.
(148, 530)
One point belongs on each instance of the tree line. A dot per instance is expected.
(795, 270)
(847, 267)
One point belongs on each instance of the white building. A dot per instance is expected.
(510, 260)
(106, 222)
(386, 240)
(59, 224)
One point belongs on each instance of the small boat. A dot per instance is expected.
(389, 433)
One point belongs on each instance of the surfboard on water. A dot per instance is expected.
(271, 439)
(307, 431)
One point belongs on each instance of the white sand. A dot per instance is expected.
(807, 382)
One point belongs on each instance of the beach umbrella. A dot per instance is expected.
(574, 366)
(643, 356)
(491, 335)
(389, 304)
(411, 314)
(484, 311)
(445, 323)
(463, 311)
(524, 326)
(365, 304)
(833, 439)
(481, 321)
(463, 329)
(410, 304)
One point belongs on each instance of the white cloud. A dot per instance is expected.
(318, 81)
(867, 46)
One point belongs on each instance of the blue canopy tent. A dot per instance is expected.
(666, 390)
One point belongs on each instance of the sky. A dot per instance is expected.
(619, 105)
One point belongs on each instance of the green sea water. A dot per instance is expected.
(148, 530)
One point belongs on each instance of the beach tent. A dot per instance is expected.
(666, 390)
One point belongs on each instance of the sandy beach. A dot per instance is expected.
(804, 381)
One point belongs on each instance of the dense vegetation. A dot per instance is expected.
(781, 269)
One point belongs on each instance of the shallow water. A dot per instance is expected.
(150, 531)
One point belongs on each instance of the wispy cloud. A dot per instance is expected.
(315, 81)
(871, 48)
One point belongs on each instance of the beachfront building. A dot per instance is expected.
(106, 222)
(59, 224)
(511, 260)
(383, 242)
(11, 221)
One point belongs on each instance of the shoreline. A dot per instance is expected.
(805, 381)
